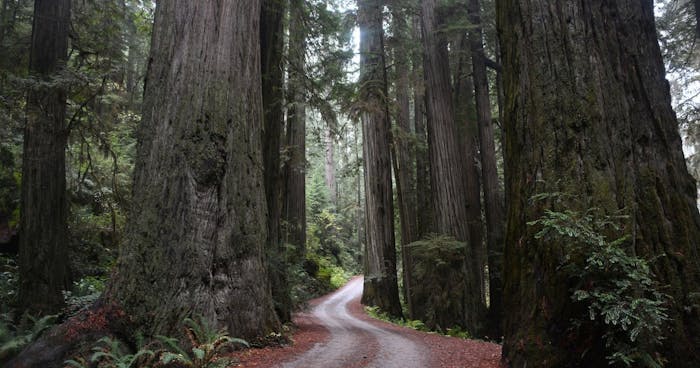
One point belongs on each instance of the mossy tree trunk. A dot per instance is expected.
(380, 285)
(448, 180)
(43, 248)
(588, 113)
(294, 213)
(196, 233)
(271, 53)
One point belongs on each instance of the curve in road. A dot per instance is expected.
(349, 336)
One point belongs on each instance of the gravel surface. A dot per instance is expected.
(337, 333)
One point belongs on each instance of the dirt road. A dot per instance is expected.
(354, 342)
(337, 333)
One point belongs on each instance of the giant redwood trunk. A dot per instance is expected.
(380, 286)
(493, 198)
(196, 232)
(448, 183)
(588, 113)
(271, 50)
(43, 248)
(294, 210)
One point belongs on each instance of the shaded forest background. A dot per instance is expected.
(327, 82)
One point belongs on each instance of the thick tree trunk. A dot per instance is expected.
(43, 248)
(493, 197)
(271, 50)
(448, 181)
(195, 236)
(295, 169)
(380, 286)
(402, 152)
(588, 112)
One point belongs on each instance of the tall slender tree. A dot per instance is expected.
(423, 201)
(43, 249)
(403, 156)
(380, 286)
(447, 178)
(588, 113)
(271, 52)
(294, 212)
(493, 196)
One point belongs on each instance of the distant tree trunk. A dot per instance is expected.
(43, 248)
(380, 286)
(402, 155)
(329, 164)
(468, 135)
(271, 50)
(295, 169)
(493, 197)
(448, 181)
(423, 192)
(588, 112)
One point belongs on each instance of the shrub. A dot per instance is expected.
(615, 287)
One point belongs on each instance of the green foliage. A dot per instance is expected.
(8, 282)
(109, 353)
(616, 287)
(207, 345)
(458, 332)
(414, 324)
(85, 292)
(14, 337)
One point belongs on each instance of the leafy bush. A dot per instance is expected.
(616, 287)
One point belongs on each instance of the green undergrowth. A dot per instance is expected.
(615, 287)
(313, 278)
(205, 347)
(414, 324)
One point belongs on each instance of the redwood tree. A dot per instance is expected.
(493, 197)
(448, 183)
(403, 155)
(588, 114)
(294, 210)
(271, 52)
(43, 248)
(380, 286)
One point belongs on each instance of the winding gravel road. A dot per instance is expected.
(351, 339)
